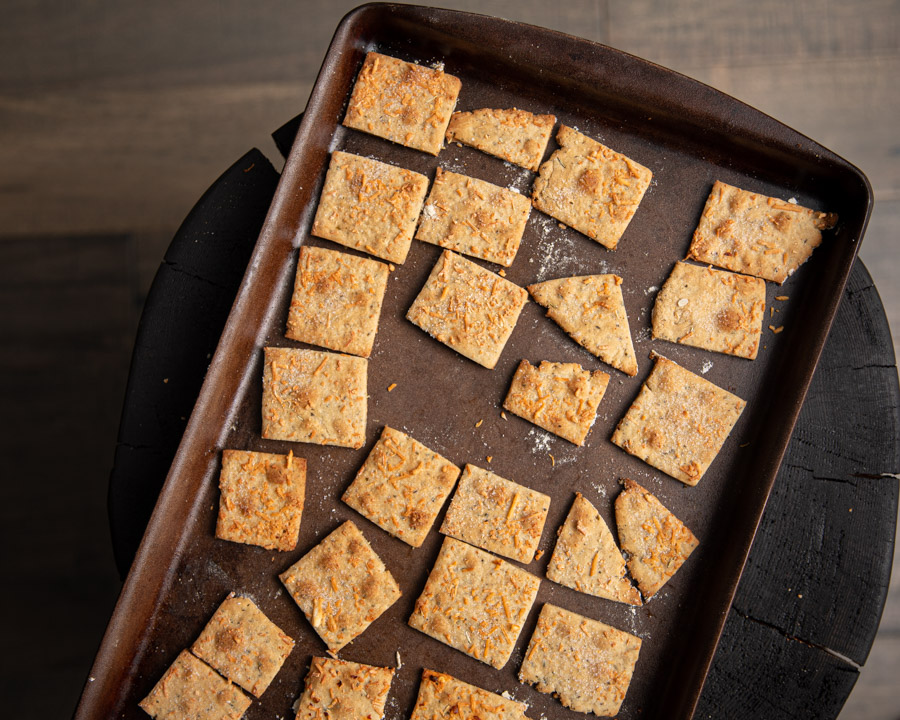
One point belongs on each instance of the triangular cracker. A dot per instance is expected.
(591, 309)
(656, 541)
(586, 557)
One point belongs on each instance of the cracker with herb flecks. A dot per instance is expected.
(678, 422)
(444, 696)
(587, 664)
(756, 234)
(586, 557)
(341, 585)
(474, 217)
(711, 309)
(591, 309)
(475, 602)
(370, 206)
(243, 644)
(402, 486)
(589, 187)
(337, 300)
(496, 514)
(314, 397)
(402, 102)
(192, 690)
(342, 690)
(562, 398)
(656, 541)
(517, 136)
(468, 308)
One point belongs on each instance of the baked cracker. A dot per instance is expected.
(586, 557)
(562, 398)
(191, 690)
(243, 644)
(591, 309)
(585, 663)
(678, 422)
(711, 309)
(589, 187)
(314, 397)
(402, 486)
(341, 586)
(496, 514)
(370, 206)
(444, 696)
(517, 136)
(475, 602)
(342, 690)
(474, 217)
(337, 300)
(468, 308)
(656, 541)
(402, 102)
(756, 234)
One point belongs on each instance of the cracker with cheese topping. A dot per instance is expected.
(514, 135)
(343, 690)
(444, 696)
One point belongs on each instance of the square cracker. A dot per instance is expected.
(191, 690)
(590, 187)
(261, 499)
(402, 102)
(755, 234)
(243, 644)
(337, 300)
(711, 309)
(402, 486)
(517, 136)
(370, 206)
(468, 308)
(586, 557)
(656, 541)
(341, 586)
(443, 696)
(584, 662)
(496, 514)
(474, 217)
(315, 397)
(342, 690)
(678, 422)
(475, 602)
(562, 398)
(591, 309)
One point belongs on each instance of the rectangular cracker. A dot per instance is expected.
(517, 136)
(370, 206)
(341, 585)
(756, 234)
(402, 102)
(342, 690)
(589, 187)
(243, 644)
(587, 664)
(402, 486)
(191, 690)
(496, 514)
(474, 217)
(261, 500)
(315, 397)
(562, 398)
(337, 300)
(468, 308)
(444, 696)
(711, 309)
(475, 602)
(678, 422)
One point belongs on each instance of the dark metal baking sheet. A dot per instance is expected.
(689, 135)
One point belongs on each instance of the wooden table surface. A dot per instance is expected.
(116, 116)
